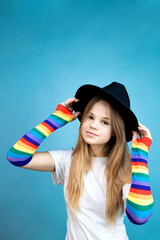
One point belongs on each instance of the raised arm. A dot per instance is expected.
(23, 153)
(139, 203)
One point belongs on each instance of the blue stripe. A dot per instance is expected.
(143, 179)
(140, 214)
(57, 120)
(139, 153)
(36, 135)
(14, 155)
(140, 187)
(30, 140)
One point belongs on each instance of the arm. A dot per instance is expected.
(23, 154)
(139, 203)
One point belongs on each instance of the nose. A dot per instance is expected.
(94, 124)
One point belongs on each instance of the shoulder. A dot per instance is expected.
(62, 157)
(61, 153)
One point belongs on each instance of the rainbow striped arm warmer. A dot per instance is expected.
(21, 153)
(139, 205)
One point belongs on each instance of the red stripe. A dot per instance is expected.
(64, 109)
(139, 191)
(140, 163)
(28, 143)
(145, 140)
(48, 126)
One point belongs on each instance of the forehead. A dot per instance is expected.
(101, 107)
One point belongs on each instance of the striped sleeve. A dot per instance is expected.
(139, 204)
(21, 153)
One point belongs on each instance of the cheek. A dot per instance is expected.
(82, 128)
(108, 133)
(84, 125)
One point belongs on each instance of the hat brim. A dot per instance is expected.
(86, 92)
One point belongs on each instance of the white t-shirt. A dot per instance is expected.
(90, 222)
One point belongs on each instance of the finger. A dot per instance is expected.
(144, 131)
(135, 135)
(76, 114)
(69, 102)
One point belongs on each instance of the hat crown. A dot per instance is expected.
(119, 92)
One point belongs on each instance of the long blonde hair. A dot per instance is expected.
(117, 169)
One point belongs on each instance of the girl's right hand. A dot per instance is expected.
(143, 132)
(69, 104)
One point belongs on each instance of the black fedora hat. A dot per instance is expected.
(116, 94)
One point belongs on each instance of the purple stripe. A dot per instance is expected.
(140, 187)
(139, 160)
(22, 163)
(137, 157)
(136, 220)
(54, 123)
(51, 124)
(147, 184)
(11, 159)
(33, 137)
(30, 140)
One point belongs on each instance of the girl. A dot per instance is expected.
(102, 181)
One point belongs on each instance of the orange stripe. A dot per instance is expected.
(28, 143)
(25, 146)
(45, 128)
(48, 126)
(139, 191)
(139, 196)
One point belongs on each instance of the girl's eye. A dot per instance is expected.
(90, 117)
(105, 123)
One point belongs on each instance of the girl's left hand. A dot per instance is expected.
(143, 132)
(69, 105)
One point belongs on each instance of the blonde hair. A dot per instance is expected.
(117, 169)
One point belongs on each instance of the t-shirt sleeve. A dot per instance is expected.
(125, 191)
(62, 162)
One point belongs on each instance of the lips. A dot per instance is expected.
(90, 133)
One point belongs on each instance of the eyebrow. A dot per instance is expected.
(102, 117)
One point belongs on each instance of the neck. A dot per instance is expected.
(97, 151)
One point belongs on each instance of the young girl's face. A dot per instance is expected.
(96, 128)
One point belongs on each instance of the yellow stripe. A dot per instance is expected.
(139, 170)
(26, 146)
(139, 167)
(16, 146)
(40, 128)
(140, 201)
(66, 117)
(140, 196)
(45, 129)
(141, 146)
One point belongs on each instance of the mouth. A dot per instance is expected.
(90, 133)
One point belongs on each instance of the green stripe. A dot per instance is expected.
(140, 175)
(38, 132)
(13, 150)
(140, 207)
(60, 119)
(140, 152)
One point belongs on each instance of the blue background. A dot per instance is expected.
(47, 50)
